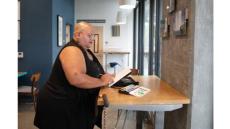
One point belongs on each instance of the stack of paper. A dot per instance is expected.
(138, 91)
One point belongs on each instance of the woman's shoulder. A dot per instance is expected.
(72, 43)
(72, 50)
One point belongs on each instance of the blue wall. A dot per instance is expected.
(35, 39)
(38, 33)
(64, 8)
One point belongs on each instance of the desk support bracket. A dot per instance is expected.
(165, 107)
(159, 120)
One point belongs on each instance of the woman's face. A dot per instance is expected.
(86, 38)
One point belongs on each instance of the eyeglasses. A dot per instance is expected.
(91, 36)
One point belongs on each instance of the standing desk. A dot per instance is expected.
(161, 98)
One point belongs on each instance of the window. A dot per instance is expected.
(146, 37)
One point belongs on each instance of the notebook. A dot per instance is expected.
(120, 75)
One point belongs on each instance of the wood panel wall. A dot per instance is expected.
(177, 62)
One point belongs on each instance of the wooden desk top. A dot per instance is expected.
(161, 93)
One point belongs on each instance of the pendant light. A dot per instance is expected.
(121, 18)
(127, 4)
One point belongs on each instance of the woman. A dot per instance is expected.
(69, 98)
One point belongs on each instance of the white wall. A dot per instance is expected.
(107, 9)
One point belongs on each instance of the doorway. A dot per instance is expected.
(97, 47)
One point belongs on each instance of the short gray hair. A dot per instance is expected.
(80, 27)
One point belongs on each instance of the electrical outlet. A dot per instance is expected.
(20, 55)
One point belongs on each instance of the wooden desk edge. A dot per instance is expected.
(182, 99)
(185, 101)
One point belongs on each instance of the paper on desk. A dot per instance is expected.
(140, 91)
(120, 75)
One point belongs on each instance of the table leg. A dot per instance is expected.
(159, 120)
(139, 119)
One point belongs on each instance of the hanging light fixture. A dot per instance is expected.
(121, 18)
(127, 4)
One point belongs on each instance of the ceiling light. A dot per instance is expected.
(127, 4)
(121, 18)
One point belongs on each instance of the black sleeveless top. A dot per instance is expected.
(58, 84)
(63, 106)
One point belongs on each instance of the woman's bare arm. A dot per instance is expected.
(74, 66)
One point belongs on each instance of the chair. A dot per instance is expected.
(134, 71)
(31, 90)
(113, 65)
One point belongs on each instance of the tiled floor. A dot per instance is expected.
(26, 117)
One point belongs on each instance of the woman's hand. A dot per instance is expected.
(107, 78)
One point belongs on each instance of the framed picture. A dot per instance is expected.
(19, 30)
(59, 30)
(67, 32)
(96, 43)
(19, 9)
(19, 18)
(165, 28)
(115, 30)
(172, 6)
(180, 22)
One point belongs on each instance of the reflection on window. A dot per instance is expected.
(136, 64)
(146, 38)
